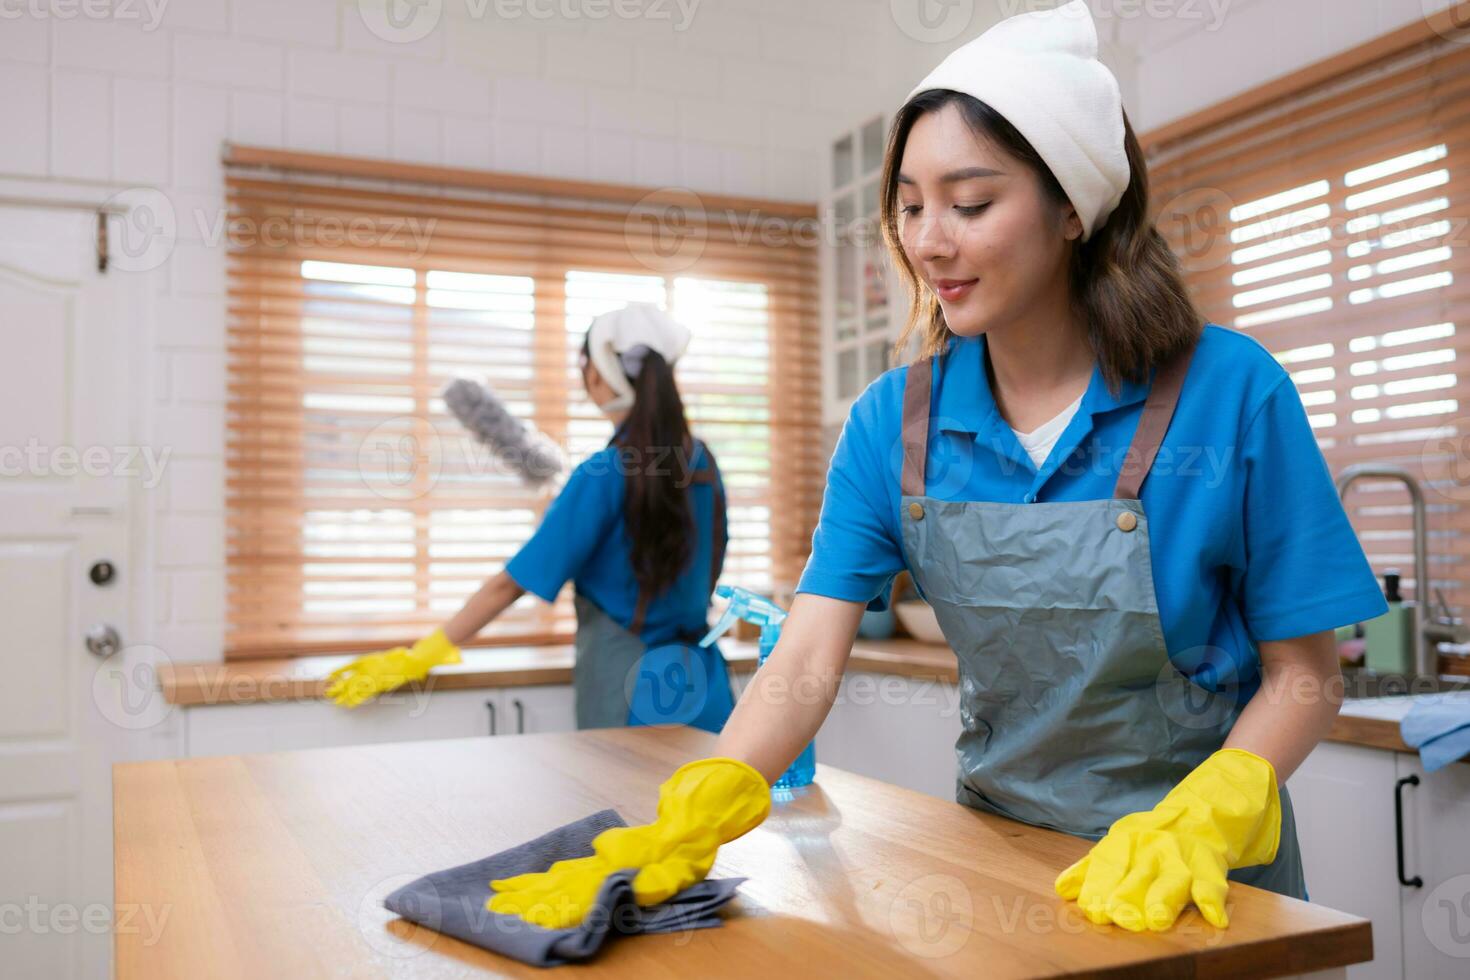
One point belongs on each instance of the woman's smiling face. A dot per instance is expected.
(978, 227)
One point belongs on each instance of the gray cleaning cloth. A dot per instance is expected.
(452, 901)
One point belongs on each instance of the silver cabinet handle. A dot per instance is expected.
(103, 641)
(520, 716)
(490, 706)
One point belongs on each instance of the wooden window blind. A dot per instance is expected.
(1326, 215)
(359, 514)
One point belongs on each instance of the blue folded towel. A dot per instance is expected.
(452, 901)
(1438, 725)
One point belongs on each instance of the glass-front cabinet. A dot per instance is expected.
(862, 309)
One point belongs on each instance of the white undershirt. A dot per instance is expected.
(1038, 442)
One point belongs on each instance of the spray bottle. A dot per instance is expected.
(768, 616)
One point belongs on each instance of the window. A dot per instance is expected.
(360, 514)
(1325, 216)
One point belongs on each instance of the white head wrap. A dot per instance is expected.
(1040, 71)
(617, 343)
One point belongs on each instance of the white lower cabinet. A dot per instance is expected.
(537, 710)
(1436, 914)
(1345, 798)
(901, 730)
(399, 716)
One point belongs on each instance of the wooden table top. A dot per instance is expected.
(276, 865)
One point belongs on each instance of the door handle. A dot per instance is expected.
(103, 640)
(1398, 822)
(490, 706)
(520, 716)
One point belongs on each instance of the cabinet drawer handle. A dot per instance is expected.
(1398, 822)
(520, 716)
(490, 707)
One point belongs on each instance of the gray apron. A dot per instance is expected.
(608, 652)
(1073, 714)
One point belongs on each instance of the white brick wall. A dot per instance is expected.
(733, 103)
(81, 130)
(227, 61)
(1214, 50)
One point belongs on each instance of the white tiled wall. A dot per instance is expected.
(1210, 50)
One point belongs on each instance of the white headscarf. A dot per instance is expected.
(1040, 71)
(617, 343)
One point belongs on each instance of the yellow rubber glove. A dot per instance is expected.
(704, 804)
(1225, 814)
(371, 675)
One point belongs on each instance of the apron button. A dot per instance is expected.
(1127, 521)
(916, 511)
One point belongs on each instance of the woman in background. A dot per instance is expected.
(640, 530)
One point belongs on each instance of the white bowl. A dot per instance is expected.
(918, 618)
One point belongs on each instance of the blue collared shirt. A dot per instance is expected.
(583, 537)
(1249, 541)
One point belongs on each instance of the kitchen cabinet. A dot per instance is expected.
(399, 716)
(1343, 798)
(537, 710)
(1346, 815)
(1436, 914)
(890, 727)
(899, 729)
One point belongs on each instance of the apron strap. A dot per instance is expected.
(1158, 410)
(709, 475)
(917, 385)
(636, 626)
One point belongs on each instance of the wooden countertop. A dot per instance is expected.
(304, 678)
(276, 864)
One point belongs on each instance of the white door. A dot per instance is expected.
(68, 450)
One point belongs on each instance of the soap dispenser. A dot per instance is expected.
(1390, 637)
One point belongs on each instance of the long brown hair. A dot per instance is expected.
(656, 450)
(1125, 281)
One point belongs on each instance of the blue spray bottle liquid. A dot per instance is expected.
(768, 616)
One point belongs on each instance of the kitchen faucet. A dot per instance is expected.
(1430, 631)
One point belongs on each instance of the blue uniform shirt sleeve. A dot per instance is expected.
(575, 523)
(1305, 571)
(855, 548)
